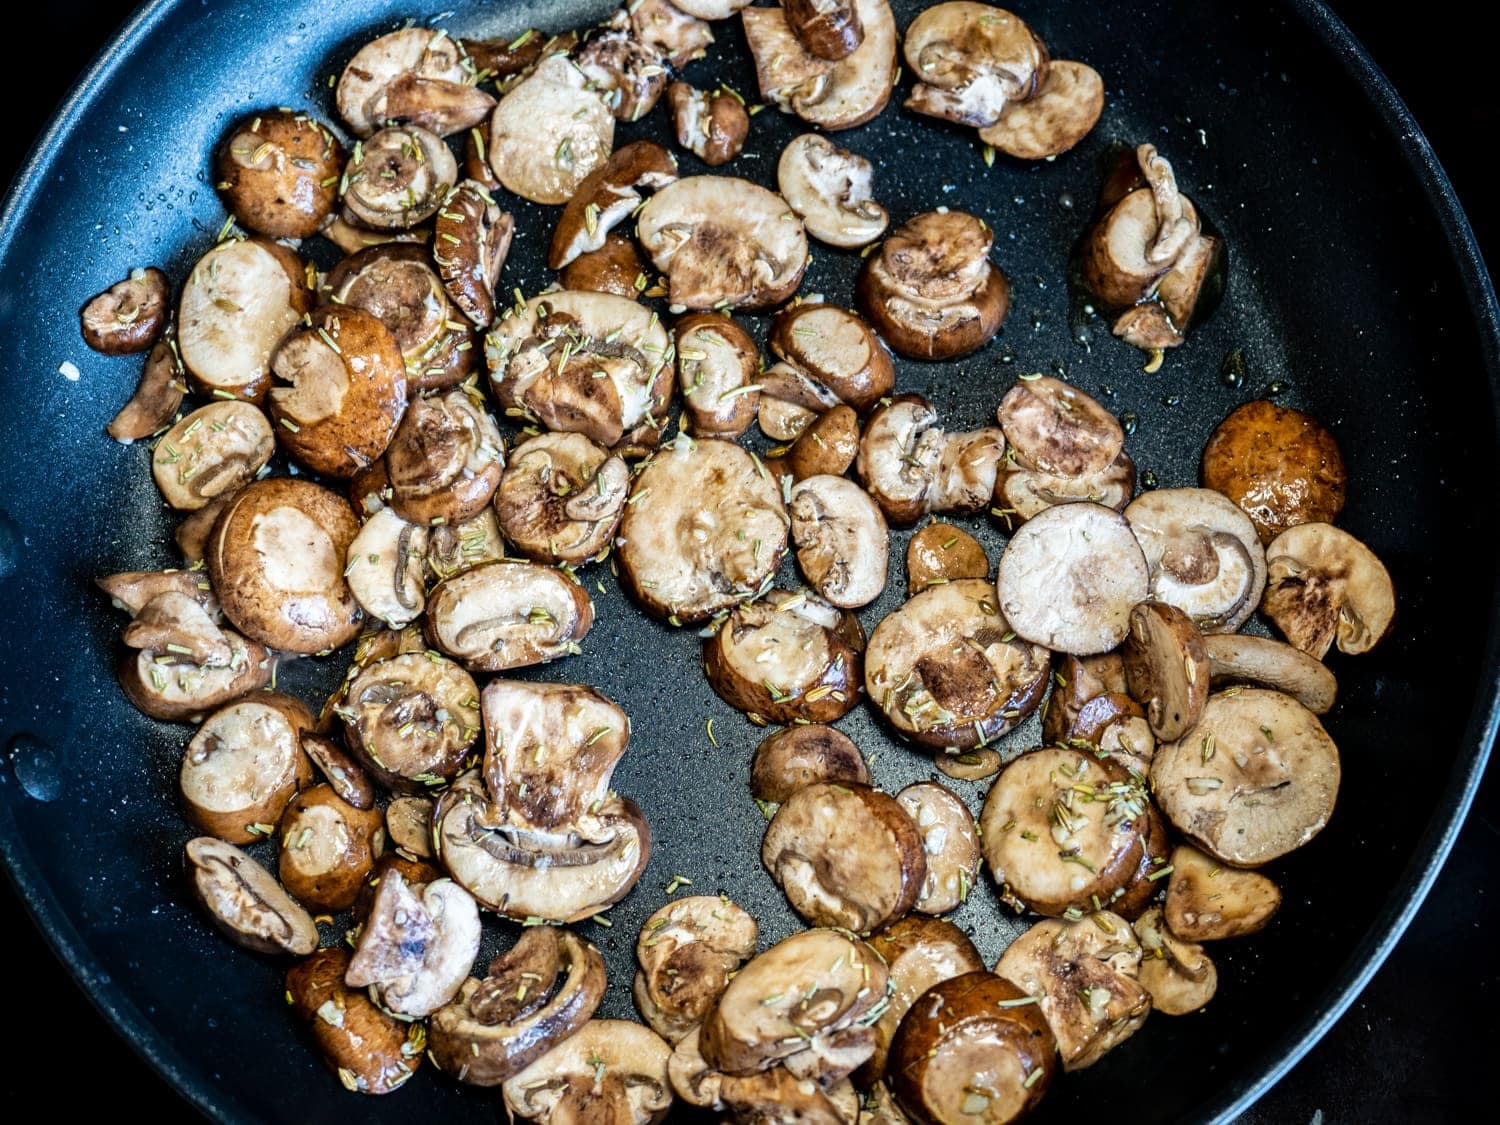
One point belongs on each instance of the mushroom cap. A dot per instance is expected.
(899, 455)
(130, 316)
(836, 356)
(1326, 586)
(801, 755)
(210, 453)
(841, 538)
(182, 690)
(829, 94)
(397, 177)
(614, 268)
(1261, 662)
(627, 71)
(1166, 668)
(971, 60)
(688, 951)
(549, 132)
(158, 395)
(1055, 118)
(608, 196)
(607, 1070)
(940, 553)
(829, 29)
(245, 901)
(712, 126)
(829, 187)
(410, 718)
(278, 172)
(1179, 975)
(1119, 260)
(431, 60)
(243, 764)
(1207, 901)
(561, 498)
(717, 366)
(445, 460)
(1055, 428)
(416, 946)
(471, 242)
(327, 848)
(950, 841)
(508, 614)
(385, 568)
(827, 447)
(966, 471)
(1021, 493)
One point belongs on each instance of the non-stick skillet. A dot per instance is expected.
(1355, 292)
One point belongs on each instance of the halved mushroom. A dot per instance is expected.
(408, 826)
(561, 498)
(835, 356)
(385, 569)
(157, 396)
(242, 297)
(504, 59)
(846, 855)
(1083, 977)
(411, 719)
(950, 841)
(371, 1051)
(704, 529)
(1207, 901)
(802, 755)
(971, 61)
(453, 548)
(787, 657)
(1166, 668)
(278, 172)
(417, 945)
(210, 453)
(628, 72)
(276, 560)
(948, 670)
(841, 540)
(245, 902)
(161, 678)
(670, 30)
(1079, 680)
(351, 238)
(829, 187)
(712, 126)
(1179, 975)
(941, 553)
(243, 765)
(1069, 578)
(533, 996)
(717, 365)
(133, 590)
(1134, 245)
(780, 420)
(966, 470)
(688, 952)
(1325, 585)
(344, 775)
(1055, 428)
(823, 92)
(931, 290)
(130, 315)
(772, 1095)
(1064, 831)
(445, 460)
(1148, 327)
(471, 241)
(830, 29)
(723, 243)
(899, 455)
(607, 197)
(1257, 777)
(397, 177)
(1262, 662)
(608, 1070)
(827, 447)
(1182, 290)
(416, 75)
(180, 624)
(615, 268)
(508, 615)
(1055, 118)
(1114, 726)
(327, 848)
(549, 132)
(1021, 493)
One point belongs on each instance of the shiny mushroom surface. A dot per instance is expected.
(508, 615)
(1021, 493)
(245, 901)
(561, 498)
(718, 363)
(416, 75)
(471, 239)
(688, 951)
(210, 453)
(157, 396)
(243, 765)
(615, 268)
(841, 539)
(899, 454)
(712, 125)
(549, 132)
(1325, 586)
(827, 447)
(971, 61)
(445, 460)
(411, 719)
(1208, 901)
(607, 197)
(277, 172)
(834, 356)
(1054, 427)
(830, 94)
(1062, 111)
(801, 755)
(941, 553)
(830, 188)
(162, 678)
(327, 848)
(384, 571)
(608, 1070)
(416, 946)
(130, 315)
(1166, 668)
(967, 469)
(950, 841)
(397, 177)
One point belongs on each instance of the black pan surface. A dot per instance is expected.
(1355, 293)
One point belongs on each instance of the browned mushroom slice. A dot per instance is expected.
(711, 125)
(830, 188)
(397, 177)
(1203, 553)
(1113, 726)
(971, 61)
(415, 75)
(133, 590)
(157, 396)
(717, 365)
(841, 540)
(1255, 779)
(628, 72)
(830, 29)
(1207, 901)
(1166, 668)
(950, 842)
(549, 132)
(453, 548)
(688, 951)
(1020, 493)
(130, 315)
(351, 238)
(802, 755)
(835, 356)
(704, 529)
(245, 901)
(411, 719)
(471, 241)
(846, 855)
(1148, 327)
(446, 459)
(327, 848)
(899, 455)
(508, 615)
(823, 92)
(166, 683)
(561, 498)
(1181, 289)
(385, 568)
(210, 453)
(966, 471)
(1056, 428)
(417, 945)
(503, 59)
(1262, 662)
(533, 996)
(670, 30)
(607, 197)
(278, 172)
(615, 268)
(609, 1070)
(408, 827)
(1179, 975)
(1079, 679)
(243, 765)
(723, 243)
(1069, 578)
(371, 1051)
(780, 420)
(345, 776)
(931, 290)
(947, 670)
(941, 553)
(1054, 119)
(180, 624)
(827, 447)
(1326, 586)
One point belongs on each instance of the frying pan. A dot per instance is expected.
(1355, 292)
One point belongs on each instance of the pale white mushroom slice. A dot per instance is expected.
(967, 469)
(397, 178)
(608, 1070)
(561, 498)
(1239, 658)
(830, 188)
(780, 420)
(384, 571)
(210, 453)
(831, 95)
(1207, 901)
(245, 901)
(900, 452)
(950, 841)
(453, 548)
(669, 30)
(508, 615)
(1055, 118)
(1166, 668)
(390, 77)
(1069, 578)
(718, 364)
(1323, 586)
(971, 61)
(1054, 427)
(1021, 493)
(417, 945)
(841, 538)
(549, 132)
(1179, 975)
(688, 951)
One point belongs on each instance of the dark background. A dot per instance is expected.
(1433, 998)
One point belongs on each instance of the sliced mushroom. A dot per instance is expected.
(628, 72)
(327, 848)
(931, 290)
(1207, 901)
(133, 590)
(1083, 976)
(1257, 777)
(830, 29)
(967, 469)
(408, 826)
(276, 560)
(1136, 243)
(278, 172)
(947, 669)
(1326, 586)
(411, 720)
(971, 61)
(385, 569)
(823, 92)
(508, 615)
(1186, 292)
(950, 842)
(1079, 680)
(717, 365)
(1113, 726)
(414, 75)
(210, 453)
(1021, 493)
(549, 132)
(846, 855)
(608, 196)
(723, 243)
(1179, 975)
(704, 529)
(1069, 578)
(829, 187)
(1262, 662)
(1060, 114)
(615, 268)
(841, 540)
(712, 126)
(245, 902)
(166, 683)
(1148, 327)
(780, 420)
(608, 1070)
(835, 356)
(243, 765)
(504, 59)
(533, 996)
(417, 945)
(1166, 668)
(1056, 428)
(561, 498)
(802, 755)
(899, 455)
(445, 460)
(688, 952)
(345, 776)
(157, 396)
(371, 1051)
(453, 548)
(941, 553)
(242, 297)
(130, 315)
(398, 177)
(351, 238)
(827, 447)
(179, 624)
(471, 241)
(670, 30)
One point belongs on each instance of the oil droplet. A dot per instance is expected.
(1065, 201)
(36, 768)
(1171, 400)
(1232, 372)
(10, 545)
(1129, 422)
(1277, 387)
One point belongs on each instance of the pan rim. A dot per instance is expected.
(1272, 1064)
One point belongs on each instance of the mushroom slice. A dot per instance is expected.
(704, 529)
(1199, 270)
(1262, 662)
(967, 469)
(670, 30)
(1256, 778)
(802, 755)
(549, 132)
(941, 553)
(351, 238)
(1207, 901)
(830, 29)
(626, 71)
(723, 243)
(1055, 428)
(210, 453)
(841, 540)
(561, 498)
(835, 356)
(472, 239)
(823, 92)
(508, 615)
(972, 1048)
(446, 459)
(950, 841)
(245, 901)
(417, 945)
(608, 1070)
(971, 61)
(717, 365)
(277, 173)
(371, 1051)
(1179, 975)
(179, 624)
(411, 719)
(1129, 250)
(827, 447)
(130, 315)
(1166, 668)
(506, 58)
(166, 684)
(1079, 680)
(688, 951)
(899, 455)
(398, 177)
(1203, 554)
(614, 268)
(1326, 586)
(327, 848)
(608, 196)
(1054, 119)
(846, 855)
(414, 74)
(1069, 578)
(528, 873)
(1021, 493)
(829, 187)
(242, 766)
(408, 825)
(454, 548)
(1064, 830)
(157, 396)
(931, 290)
(947, 670)
(712, 126)
(711, 9)
(345, 776)
(242, 297)
(385, 569)
(533, 996)
(133, 590)
(1113, 726)
(1083, 977)
(780, 420)
(787, 657)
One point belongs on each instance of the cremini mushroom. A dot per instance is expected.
(670, 30)
(717, 367)
(834, 356)
(1207, 901)
(385, 568)
(940, 553)
(1114, 726)
(1140, 237)
(471, 240)
(133, 590)
(830, 29)
(351, 238)
(1261, 662)
(1056, 117)
(411, 719)
(607, 197)
(827, 447)
(180, 624)
(278, 172)
(688, 951)
(397, 177)
(549, 132)
(971, 61)
(408, 825)
(561, 498)
(158, 394)
(1079, 680)
(242, 766)
(415, 75)
(245, 901)
(344, 774)
(1054, 427)
(829, 187)
(899, 454)
(371, 1051)
(841, 540)
(609, 1070)
(1179, 975)
(506, 59)
(1166, 668)
(950, 841)
(801, 755)
(711, 125)
(453, 548)
(1021, 493)
(130, 315)
(780, 420)
(508, 615)
(159, 672)
(831, 94)
(615, 268)
(327, 847)
(445, 460)
(966, 470)
(211, 452)
(416, 946)
(1325, 586)
(627, 71)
